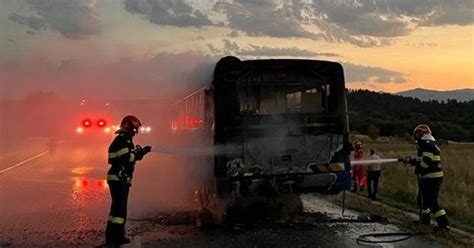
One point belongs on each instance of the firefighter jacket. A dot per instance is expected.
(122, 157)
(428, 164)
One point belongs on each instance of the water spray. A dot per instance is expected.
(196, 151)
(213, 150)
(374, 161)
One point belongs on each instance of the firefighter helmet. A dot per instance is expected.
(421, 130)
(357, 144)
(130, 124)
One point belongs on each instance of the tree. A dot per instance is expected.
(372, 131)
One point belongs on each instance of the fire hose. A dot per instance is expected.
(364, 238)
(398, 236)
(375, 161)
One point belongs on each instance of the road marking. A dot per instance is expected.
(24, 162)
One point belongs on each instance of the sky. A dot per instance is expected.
(154, 48)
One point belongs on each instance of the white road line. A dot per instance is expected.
(24, 162)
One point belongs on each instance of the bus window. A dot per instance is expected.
(281, 99)
(311, 102)
(293, 102)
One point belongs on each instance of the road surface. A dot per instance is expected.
(63, 201)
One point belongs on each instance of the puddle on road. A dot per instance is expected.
(83, 170)
(89, 191)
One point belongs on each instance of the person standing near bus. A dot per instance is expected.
(430, 176)
(358, 175)
(122, 157)
(373, 175)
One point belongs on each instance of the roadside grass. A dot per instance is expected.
(398, 183)
(396, 216)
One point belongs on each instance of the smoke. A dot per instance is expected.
(34, 84)
(197, 150)
(162, 75)
(41, 98)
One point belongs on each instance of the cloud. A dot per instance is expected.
(168, 12)
(352, 20)
(233, 34)
(334, 33)
(213, 49)
(230, 47)
(434, 13)
(163, 75)
(305, 19)
(263, 18)
(34, 22)
(364, 23)
(279, 52)
(72, 19)
(362, 73)
(361, 18)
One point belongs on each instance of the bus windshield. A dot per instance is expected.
(268, 99)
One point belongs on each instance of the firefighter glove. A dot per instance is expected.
(142, 151)
(139, 152)
(411, 161)
(406, 160)
(147, 149)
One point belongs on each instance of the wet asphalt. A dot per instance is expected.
(62, 200)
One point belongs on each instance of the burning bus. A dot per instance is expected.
(276, 127)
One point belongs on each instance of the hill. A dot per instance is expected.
(461, 95)
(384, 114)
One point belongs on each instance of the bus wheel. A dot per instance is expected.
(213, 209)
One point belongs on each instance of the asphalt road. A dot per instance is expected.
(63, 201)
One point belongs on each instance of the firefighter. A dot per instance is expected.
(358, 175)
(122, 157)
(430, 176)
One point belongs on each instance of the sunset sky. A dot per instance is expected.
(143, 48)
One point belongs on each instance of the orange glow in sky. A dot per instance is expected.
(111, 48)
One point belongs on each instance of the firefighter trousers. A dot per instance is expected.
(428, 193)
(115, 230)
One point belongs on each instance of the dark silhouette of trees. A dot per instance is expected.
(396, 115)
(372, 131)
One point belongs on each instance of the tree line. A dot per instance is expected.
(383, 114)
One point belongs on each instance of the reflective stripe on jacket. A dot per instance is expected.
(122, 157)
(429, 158)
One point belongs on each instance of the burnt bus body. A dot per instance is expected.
(275, 128)
(283, 121)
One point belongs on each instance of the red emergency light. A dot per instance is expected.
(101, 123)
(86, 123)
(194, 123)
